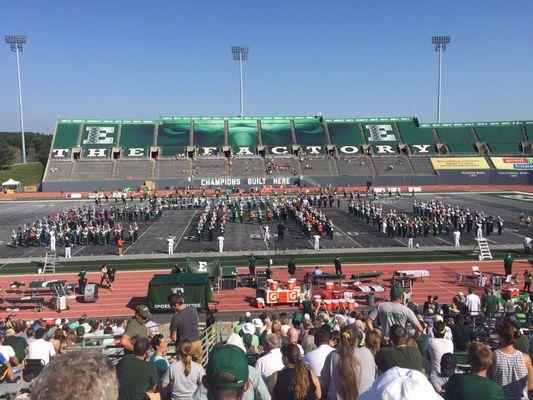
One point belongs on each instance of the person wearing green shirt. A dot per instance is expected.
(527, 281)
(490, 303)
(475, 384)
(251, 264)
(136, 376)
(508, 267)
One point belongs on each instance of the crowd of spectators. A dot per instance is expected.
(394, 351)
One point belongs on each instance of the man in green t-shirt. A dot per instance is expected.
(136, 328)
(251, 264)
(490, 303)
(399, 354)
(136, 376)
(475, 384)
(527, 281)
(17, 342)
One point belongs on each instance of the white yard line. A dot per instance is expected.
(139, 238)
(185, 230)
(348, 236)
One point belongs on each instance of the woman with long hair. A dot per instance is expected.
(511, 368)
(183, 376)
(349, 371)
(373, 341)
(295, 381)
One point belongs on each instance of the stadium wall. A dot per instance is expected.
(452, 177)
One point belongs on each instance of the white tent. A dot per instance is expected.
(12, 185)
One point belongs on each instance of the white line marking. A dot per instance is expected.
(139, 238)
(185, 230)
(345, 234)
(444, 240)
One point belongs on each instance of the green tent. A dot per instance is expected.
(196, 290)
(209, 266)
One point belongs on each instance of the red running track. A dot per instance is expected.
(131, 287)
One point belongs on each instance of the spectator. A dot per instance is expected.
(184, 325)
(293, 335)
(462, 334)
(373, 341)
(448, 363)
(475, 384)
(437, 346)
(401, 383)
(40, 349)
(473, 302)
(271, 361)
(511, 368)
(77, 375)
(185, 375)
(316, 359)
(160, 345)
(392, 312)
(6, 372)
(227, 374)
(490, 303)
(136, 328)
(399, 354)
(136, 376)
(349, 371)
(295, 381)
(7, 351)
(16, 341)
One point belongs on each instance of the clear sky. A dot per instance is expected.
(344, 58)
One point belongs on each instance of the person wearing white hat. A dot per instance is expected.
(399, 384)
(259, 326)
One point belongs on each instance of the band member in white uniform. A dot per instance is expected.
(317, 242)
(170, 241)
(220, 244)
(457, 237)
(52, 241)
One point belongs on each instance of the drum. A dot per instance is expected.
(328, 304)
(326, 295)
(342, 304)
(330, 285)
(348, 295)
(274, 285)
(90, 295)
(260, 303)
(291, 284)
(336, 294)
(317, 302)
(334, 305)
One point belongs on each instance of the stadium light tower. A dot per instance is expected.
(240, 53)
(440, 43)
(16, 43)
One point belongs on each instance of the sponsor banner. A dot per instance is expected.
(464, 163)
(259, 181)
(513, 163)
(108, 121)
(74, 195)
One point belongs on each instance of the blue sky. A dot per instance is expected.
(140, 59)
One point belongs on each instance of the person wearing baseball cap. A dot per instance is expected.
(226, 373)
(448, 364)
(393, 312)
(136, 328)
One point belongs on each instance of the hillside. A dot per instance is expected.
(29, 174)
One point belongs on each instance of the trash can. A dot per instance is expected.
(370, 299)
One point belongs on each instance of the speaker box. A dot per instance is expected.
(90, 295)
(229, 283)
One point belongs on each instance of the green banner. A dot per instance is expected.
(196, 290)
(197, 266)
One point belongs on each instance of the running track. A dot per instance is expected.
(131, 287)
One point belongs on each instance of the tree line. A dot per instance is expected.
(37, 147)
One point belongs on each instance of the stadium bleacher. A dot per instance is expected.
(300, 147)
(501, 137)
(458, 137)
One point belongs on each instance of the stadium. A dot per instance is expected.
(286, 255)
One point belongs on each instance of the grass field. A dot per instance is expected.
(278, 260)
(29, 174)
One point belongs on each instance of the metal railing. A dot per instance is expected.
(210, 337)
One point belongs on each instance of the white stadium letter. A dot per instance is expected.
(136, 152)
(380, 133)
(349, 149)
(245, 150)
(422, 148)
(99, 135)
(97, 153)
(276, 150)
(313, 149)
(59, 153)
(385, 149)
(207, 151)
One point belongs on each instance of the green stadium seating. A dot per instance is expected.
(173, 138)
(66, 136)
(242, 133)
(345, 134)
(209, 133)
(411, 134)
(529, 131)
(379, 133)
(136, 136)
(310, 133)
(499, 133)
(276, 132)
(504, 148)
(458, 138)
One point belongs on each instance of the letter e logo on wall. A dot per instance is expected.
(380, 133)
(202, 266)
(99, 135)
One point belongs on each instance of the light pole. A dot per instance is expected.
(440, 43)
(16, 43)
(240, 53)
